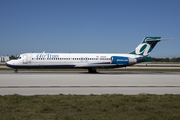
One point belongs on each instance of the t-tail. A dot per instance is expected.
(145, 48)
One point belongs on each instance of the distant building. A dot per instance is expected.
(4, 58)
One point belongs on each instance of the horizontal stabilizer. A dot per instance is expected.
(157, 40)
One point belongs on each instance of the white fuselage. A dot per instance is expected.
(71, 60)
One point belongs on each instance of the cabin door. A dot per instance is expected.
(25, 59)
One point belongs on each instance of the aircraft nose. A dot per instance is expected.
(9, 63)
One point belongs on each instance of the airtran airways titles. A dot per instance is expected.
(47, 56)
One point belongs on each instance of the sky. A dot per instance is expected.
(88, 26)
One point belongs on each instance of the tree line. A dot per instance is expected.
(177, 59)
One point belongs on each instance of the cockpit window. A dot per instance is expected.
(18, 57)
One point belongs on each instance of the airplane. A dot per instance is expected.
(90, 61)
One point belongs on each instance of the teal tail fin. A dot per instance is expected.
(146, 46)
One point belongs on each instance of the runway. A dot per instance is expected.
(81, 82)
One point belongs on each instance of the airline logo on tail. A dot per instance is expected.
(143, 49)
(146, 46)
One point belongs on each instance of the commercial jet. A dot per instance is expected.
(90, 61)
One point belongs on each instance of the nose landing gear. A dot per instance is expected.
(15, 71)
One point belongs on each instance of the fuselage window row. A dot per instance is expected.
(70, 59)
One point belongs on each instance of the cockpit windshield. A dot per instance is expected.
(18, 57)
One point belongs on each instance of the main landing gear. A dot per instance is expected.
(15, 71)
(92, 70)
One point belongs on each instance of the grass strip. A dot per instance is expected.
(90, 107)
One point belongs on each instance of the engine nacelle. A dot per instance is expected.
(124, 61)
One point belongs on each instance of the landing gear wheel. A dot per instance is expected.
(15, 71)
(92, 70)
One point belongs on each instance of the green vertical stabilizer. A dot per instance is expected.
(146, 46)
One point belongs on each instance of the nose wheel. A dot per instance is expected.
(15, 71)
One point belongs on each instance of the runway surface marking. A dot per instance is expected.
(79, 86)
